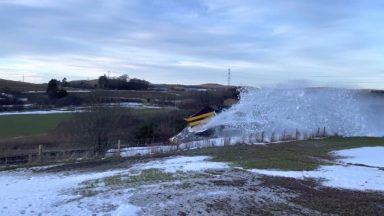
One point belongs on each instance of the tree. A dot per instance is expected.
(53, 90)
(103, 82)
(64, 83)
(137, 84)
(97, 127)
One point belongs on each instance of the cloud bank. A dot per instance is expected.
(182, 41)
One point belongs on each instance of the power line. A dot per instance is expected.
(229, 77)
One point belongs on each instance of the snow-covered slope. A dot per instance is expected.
(25, 192)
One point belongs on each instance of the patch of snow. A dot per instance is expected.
(345, 176)
(37, 112)
(25, 192)
(348, 177)
(131, 105)
(183, 163)
(127, 210)
(33, 194)
(371, 156)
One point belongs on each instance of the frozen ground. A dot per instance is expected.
(370, 156)
(72, 193)
(78, 109)
(184, 164)
(359, 169)
(25, 192)
(179, 185)
(37, 112)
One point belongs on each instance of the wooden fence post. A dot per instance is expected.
(118, 146)
(262, 136)
(29, 158)
(297, 134)
(40, 152)
(324, 133)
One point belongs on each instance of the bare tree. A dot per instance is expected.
(97, 127)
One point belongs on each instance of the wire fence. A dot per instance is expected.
(260, 137)
(43, 155)
(149, 148)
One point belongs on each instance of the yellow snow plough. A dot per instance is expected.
(201, 117)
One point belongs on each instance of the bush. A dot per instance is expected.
(53, 90)
(103, 127)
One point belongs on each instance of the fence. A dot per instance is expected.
(47, 155)
(261, 137)
(43, 155)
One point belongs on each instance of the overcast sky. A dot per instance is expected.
(195, 41)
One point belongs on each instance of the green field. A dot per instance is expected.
(31, 124)
(296, 155)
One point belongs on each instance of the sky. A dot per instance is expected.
(325, 42)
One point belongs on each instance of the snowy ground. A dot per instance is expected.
(133, 105)
(37, 112)
(191, 185)
(359, 169)
(26, 192)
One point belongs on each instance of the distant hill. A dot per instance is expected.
(212, 85)
(21, 86)
(205, 85)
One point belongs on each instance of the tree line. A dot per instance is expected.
(122, 84)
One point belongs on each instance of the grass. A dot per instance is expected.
(146, 176)
(28, 125)
(94, 187)
(301, 155)
(184, 185)
(298, 155)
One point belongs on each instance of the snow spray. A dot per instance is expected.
(292, 111)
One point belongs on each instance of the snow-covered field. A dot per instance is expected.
(26, 192)
(37, 112)
(132, 105)
(359, 169)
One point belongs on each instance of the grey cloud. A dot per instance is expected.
(220, 32)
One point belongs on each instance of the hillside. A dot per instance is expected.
(21, 86)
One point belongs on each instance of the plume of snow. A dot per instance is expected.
(307, 110)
